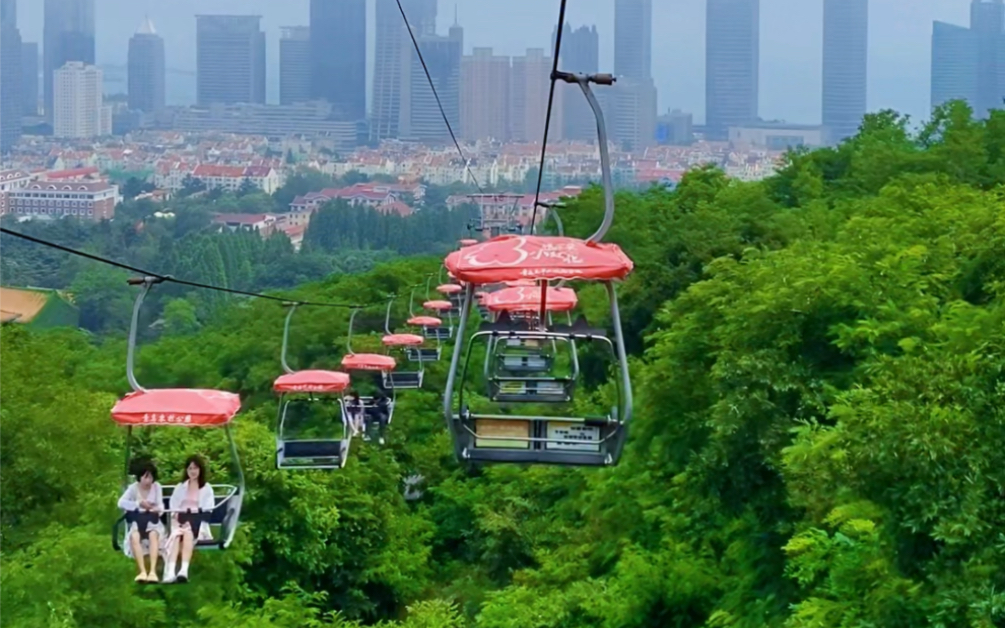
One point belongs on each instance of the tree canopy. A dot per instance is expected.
(819, 370)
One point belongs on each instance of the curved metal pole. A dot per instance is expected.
(428, 280)
(605, 160)
(411, 299)
(626, 380)
(147, 282)
(348, 340)
(387, 316)
(286, 338)
(448, 392)
(558, 221)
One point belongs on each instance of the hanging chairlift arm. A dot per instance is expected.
(147, 283)
(348, 340)
(286, 336)
(584, 80)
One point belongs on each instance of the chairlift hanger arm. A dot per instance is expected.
(286, 336)
(584, 80)
(147, 283)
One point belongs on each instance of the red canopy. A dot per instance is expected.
(467, 242)
(425, 321)
(528, 299)
(403, 340)
(519, 282)
(189, 407)
(513, 257)
(437, 305)
(312, 381)
(368, 362)
(449, 288)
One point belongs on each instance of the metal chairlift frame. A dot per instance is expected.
(228, 498)
(423, 354)
(413, 379)
(538, 447)
(368, 403)
(287, 459)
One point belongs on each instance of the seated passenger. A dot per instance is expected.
(143, 502)
(383, 413)
(190, 496)
(355, 407)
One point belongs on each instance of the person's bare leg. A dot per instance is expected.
(187, 545)
(172, 560)
(137, 547)
(155, 540)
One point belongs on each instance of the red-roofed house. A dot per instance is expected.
(382, 197)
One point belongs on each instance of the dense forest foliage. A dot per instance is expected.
(179, 239)
(819, 371)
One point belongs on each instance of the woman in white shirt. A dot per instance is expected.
(192, 494)
(143, 502)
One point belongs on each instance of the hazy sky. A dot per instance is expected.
(899, 43)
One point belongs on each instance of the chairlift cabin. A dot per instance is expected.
(435, 331)
(310, 401)
(481, 437)
(180, 407)
(411, 345)
(424, 354)
(375, 363)
(453, 292)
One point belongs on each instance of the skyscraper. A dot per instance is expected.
(338, 55)
(443, 59)
(581, 54)
(846, 45)
(146, 69)
(29, 74)
(78, 109)
(295, 65)
(68, 35)
(530, 83)
(394, 51)
(969, 63)
(732, 60)
(230, 59)
(485, 95)
(633, 38)
(10, 76)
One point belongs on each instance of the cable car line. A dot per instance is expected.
(184, 282)
(547, 119)
(439, 104)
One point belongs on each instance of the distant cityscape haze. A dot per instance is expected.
(790, 53)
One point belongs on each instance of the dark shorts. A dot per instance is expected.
(143, 519)
(194, 519)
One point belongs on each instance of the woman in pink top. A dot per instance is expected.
(192, 495)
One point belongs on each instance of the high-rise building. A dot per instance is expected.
(230, 59)
(732, 60)
(969, 63)
(845, 60)
(146, 69)
(485, 95)
(443, 59)
(630, 113)
(338, 55)
(78, 108)
(11, 104)
(530, 84)
(394, 52)
(68, 35)
(29, 75)
(580, 54)
(633, 38)
(295, 65)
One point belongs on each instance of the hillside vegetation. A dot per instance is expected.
(819, 371)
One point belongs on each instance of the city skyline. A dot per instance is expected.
(790, 89)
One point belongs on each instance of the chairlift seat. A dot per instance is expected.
(421, 354)
(438, 333)
(531, 389)
(313, 454)
(584, 441)
(403, 379)
(525, 363)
